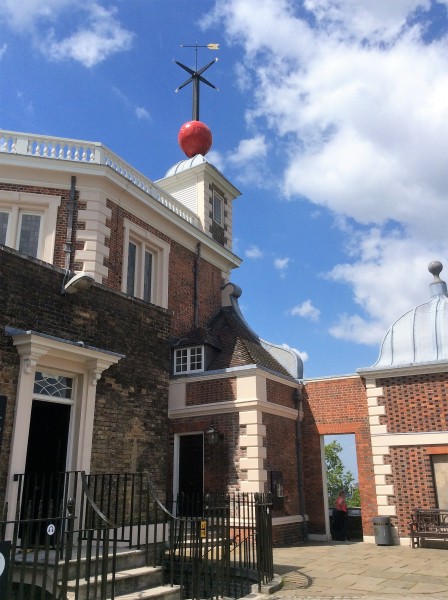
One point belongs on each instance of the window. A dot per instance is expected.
(217, 212)
(139, 276)
(57, 386)
(188, 360)
(29, 233)
(21, 230)
(28, 223)
(145, 265)
(4, 216)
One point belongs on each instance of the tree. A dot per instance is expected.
(338, 478)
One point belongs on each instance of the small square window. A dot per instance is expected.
(189, 360)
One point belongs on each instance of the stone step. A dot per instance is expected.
(125, 559)
(126, 582)
(162, 592)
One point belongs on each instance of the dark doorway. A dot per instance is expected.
(191, 474)
(47, 441)
(43, 484)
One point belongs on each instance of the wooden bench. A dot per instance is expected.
(429, 523)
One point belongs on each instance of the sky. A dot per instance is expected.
(331, 118)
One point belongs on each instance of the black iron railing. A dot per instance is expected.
(70, 530)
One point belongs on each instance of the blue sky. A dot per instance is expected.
(332, 120)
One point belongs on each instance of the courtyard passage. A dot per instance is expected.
(354, 570)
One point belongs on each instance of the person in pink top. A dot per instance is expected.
(340, 520)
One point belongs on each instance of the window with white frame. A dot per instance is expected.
(139, 275)
(218, 208)
(21, 230)
(145, 265)
(28, 223)
(189, 360)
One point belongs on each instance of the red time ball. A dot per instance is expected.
(195, 138)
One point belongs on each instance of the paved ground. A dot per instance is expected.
(353, 570)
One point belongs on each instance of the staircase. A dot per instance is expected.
(133, 580)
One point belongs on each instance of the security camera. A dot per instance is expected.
(79, 282)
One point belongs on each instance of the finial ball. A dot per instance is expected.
(435, 268)
(195, 138)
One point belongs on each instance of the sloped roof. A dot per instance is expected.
(239, 346)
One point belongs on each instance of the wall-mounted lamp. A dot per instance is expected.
(79, 282)
(213, 436)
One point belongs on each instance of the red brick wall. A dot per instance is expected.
(336, 406)
(279, 393)
(205, 392)
(416, 403)
(221, 460)
(282, 456)
(181, 273)
(413, 480)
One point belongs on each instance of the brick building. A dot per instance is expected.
(179, 385)
(397, 410)
(124, 348)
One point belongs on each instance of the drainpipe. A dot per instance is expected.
(300, 481)
(196, 285)
(68, 246)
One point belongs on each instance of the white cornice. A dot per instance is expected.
(428, 438)
(404, 370)
(244, 371)
(233, 406)
(169, 223)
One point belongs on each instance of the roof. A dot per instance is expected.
(239, 346)
(419, 336)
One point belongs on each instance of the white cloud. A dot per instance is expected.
(102, 36)
(142, 114)
(97, 32)
(3, 50)
(27, 14)
(281, 264)
(306, 310)
(356, 97)
(250, 149)
(253, 252)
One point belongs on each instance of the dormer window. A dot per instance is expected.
(189, 360)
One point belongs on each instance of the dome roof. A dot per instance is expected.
(186, 164)
(420, 335)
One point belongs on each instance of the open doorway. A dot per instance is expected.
(341, 474)
(43, 484)
(191, 474)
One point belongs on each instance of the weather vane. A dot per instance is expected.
(196, 76)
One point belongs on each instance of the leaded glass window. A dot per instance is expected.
(29, 234)
(56, 386)
(4, 217)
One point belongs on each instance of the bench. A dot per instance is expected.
(429, 523)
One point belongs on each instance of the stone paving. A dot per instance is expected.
(356, 570)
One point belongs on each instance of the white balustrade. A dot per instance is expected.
(89, 152)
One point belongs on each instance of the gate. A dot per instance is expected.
(67, 543)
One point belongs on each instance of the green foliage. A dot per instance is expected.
(338, 478)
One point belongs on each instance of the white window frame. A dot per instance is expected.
(189, 368)
(17, 204)
(217, 196)
(160, 250)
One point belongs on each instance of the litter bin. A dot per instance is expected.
(383, 531)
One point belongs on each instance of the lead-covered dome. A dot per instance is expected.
(420, 335)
